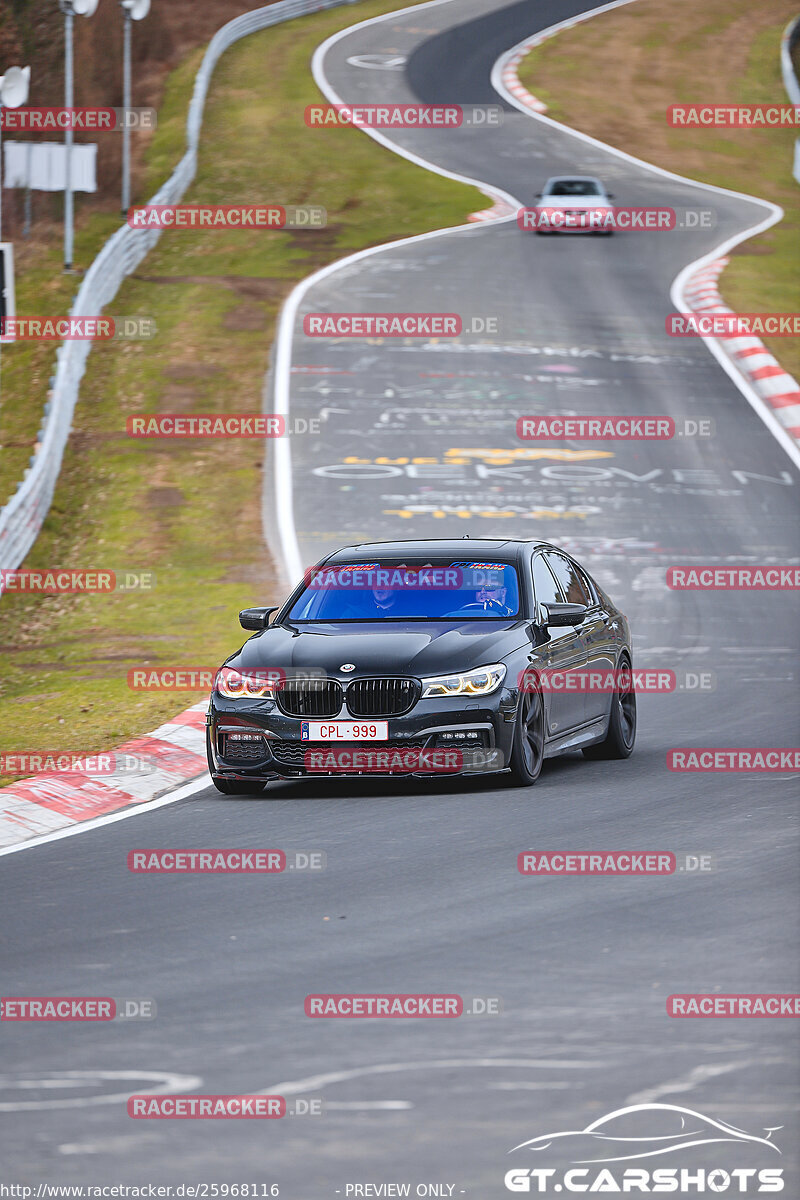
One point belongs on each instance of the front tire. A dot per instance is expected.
(527, 748)
(621, 736)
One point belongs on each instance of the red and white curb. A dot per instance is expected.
(173, 754)
(748, 354)
(770, 391)
(509, 62)
(511, 78)
(500, 209)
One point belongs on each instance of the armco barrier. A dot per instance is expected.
(790, 38)
(22, 518)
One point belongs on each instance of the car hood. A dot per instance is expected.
(381, 648)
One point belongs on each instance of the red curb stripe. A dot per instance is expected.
(703, 296)
(196, 718)
(767, 372)
(77, 797)
(176, 760)
(74, 796)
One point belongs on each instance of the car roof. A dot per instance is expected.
(458, 549)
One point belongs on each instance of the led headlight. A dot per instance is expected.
(480, 682)
(247, 685)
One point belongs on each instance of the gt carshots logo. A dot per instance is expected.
(646, 1131)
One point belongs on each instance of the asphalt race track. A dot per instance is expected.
(421, 891)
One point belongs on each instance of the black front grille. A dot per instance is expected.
(381, 697)
(293, 754)
(310, 698)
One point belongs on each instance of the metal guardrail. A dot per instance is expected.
(791, 35)
(22, 517)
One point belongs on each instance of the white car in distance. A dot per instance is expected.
(574, 204)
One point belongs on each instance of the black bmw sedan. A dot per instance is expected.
(425, 657)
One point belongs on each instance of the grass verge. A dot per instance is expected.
(677, 52)
(189, 512)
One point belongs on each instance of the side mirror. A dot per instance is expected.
(564, 614)
(538, 196)
(256, 618)
(610, 196)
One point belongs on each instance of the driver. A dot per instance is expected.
(490, 596)
(385, 599)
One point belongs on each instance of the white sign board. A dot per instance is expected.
(42, 166)
(7, 306)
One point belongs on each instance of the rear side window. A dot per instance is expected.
(544, 585)
(576, 589)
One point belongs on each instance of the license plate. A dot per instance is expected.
(344, 731)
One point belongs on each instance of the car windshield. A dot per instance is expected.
(573, 187)
(462, 591)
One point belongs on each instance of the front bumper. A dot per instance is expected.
(254, 740)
